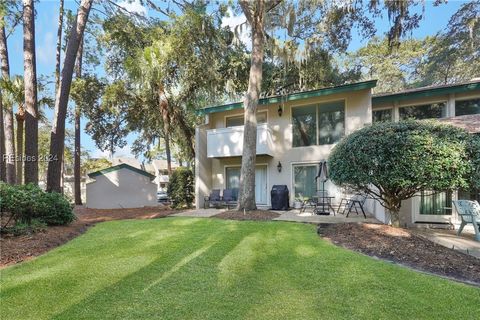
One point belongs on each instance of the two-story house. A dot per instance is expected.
(297, 131)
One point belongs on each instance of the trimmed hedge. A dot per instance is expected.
(181, 188)
(28, 202)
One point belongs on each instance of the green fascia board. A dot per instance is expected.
(294, 96)
(425, 93)
(118, 167)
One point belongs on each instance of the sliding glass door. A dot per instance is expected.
(434, 207)
(232, 181)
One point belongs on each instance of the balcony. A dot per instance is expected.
(228, 142)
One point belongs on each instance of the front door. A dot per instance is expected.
(233, 182)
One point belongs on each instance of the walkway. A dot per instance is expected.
(199, 213)
(448, 238)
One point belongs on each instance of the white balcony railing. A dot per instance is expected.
(228, 142)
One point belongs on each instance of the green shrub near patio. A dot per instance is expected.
(186, 268)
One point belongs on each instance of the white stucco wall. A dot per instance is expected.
(211, 171)
(122, 188)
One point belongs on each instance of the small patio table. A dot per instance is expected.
(323, 204)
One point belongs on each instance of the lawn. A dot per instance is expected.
(185, 268)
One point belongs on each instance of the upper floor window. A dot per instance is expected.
(382, 115)
(318, 124)
(425, 111)
(239, 120)
(465, 107)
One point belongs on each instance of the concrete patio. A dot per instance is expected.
(291, 215)
(309, 217)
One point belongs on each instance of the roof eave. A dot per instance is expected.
(427, 92)
(92, 175)
(294, 96)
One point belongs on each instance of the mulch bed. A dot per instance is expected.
(15, 249)
(403, 247)
(261, 215)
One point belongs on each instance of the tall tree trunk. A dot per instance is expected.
(246, 200)
(20, 116)
(59, 46)
(3, 174)
(78, 113)
(57, 141)
(168, 153)
(31, 107)
(165, 111)
(8, 118)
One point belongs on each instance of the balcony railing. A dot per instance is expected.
(228, 142)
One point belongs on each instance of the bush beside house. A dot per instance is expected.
(392, 161)
(181, 188)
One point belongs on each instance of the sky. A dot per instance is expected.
(435, 20)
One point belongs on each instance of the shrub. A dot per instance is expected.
(393, 161)
(22, 228)
(28, 202)
(54, 209)
(19, 201)
(180, 188)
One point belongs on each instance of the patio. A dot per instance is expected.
(291, 215)
(309, 217)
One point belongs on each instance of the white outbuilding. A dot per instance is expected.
(121, 186)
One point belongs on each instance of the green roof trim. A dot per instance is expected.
(294, 96)
(426, 92)
(118, 167)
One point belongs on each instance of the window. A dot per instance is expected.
(233, 177)
(436, 203)
(465, 107)
(469, 195)
(382, 115)
(426, 111)
(235, 121)
(331, 122)
(304, 183)
(318, 124)
(304, 126)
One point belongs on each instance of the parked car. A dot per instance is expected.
(162, 196)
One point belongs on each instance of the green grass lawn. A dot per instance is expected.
(185, 268)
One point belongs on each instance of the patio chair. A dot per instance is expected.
(356, 202)
(230, 197)
(469, 211)
(214, 199)
(305, 202)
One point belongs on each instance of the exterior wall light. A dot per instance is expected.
(279, 167)
(280, 110)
